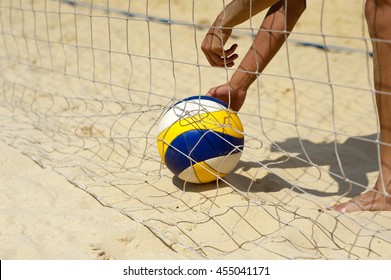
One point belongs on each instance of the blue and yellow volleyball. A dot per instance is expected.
(200, 139)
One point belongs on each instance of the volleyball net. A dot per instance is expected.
(85, 83)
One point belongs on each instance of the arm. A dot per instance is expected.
(279, 21)
(236, 12)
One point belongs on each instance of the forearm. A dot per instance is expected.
(272, 34)
(239, 11)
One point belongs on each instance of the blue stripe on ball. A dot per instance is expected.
(200, 145)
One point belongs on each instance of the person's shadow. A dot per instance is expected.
(357, 157)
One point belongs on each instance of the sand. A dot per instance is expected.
(44, 216)
(80, 175)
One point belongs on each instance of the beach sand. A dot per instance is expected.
(80, 174)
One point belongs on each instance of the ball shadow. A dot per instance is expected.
(357, 157)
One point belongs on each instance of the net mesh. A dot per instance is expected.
(84, 84)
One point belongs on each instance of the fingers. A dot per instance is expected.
(231, 50)
(233, 97)
(230, 56)
(221, 92)
(216, 55)
(226, 59)
(212, 92)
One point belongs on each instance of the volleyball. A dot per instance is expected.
(200, 139)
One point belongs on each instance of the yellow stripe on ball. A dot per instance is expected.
(222, 121)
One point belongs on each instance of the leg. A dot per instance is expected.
(378, 16)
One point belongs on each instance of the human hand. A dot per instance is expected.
(233, 97)
(213, 47)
